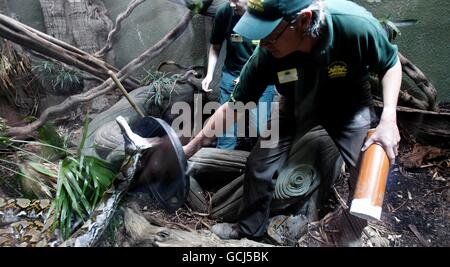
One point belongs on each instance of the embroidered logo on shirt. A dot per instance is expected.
(286, 76)
(236, 38)
(337, 69)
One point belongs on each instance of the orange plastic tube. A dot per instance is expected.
(371, 184)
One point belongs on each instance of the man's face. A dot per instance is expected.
(283, 40)
(238, 6)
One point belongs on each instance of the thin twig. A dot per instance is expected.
(206, 225)
(317, 239)
(339, 198)
(117, 26)
(436, 189)
(401, 205)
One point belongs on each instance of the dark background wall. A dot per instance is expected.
(427, 43)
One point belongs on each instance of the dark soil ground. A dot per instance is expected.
(416, 209)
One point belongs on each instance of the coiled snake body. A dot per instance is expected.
(22, 223)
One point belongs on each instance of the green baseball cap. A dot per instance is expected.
(263, 16)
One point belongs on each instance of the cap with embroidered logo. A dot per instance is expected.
(263, 16)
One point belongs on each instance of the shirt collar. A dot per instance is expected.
(321, 52)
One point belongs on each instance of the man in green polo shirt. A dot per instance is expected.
(319, 55)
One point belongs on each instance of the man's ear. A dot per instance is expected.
(304, 19)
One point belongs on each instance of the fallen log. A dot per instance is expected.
(432, 127)
(142, 232)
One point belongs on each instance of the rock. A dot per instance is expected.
(23, 202)
(375, 239)
(287, 230)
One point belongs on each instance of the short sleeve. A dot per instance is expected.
(219, 26)
(254, 78)
(381, 54)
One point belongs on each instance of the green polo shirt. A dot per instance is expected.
(352, 45)
(238, 48)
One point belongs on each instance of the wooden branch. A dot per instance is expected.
(141, 230)
(107, 85)
(140, 61)
(125, 93)
(117, 26)
(415, 102)
(420, 80)
(378, 103)
(23, 131)
(56, 49)
(190, 76)
(179, 66)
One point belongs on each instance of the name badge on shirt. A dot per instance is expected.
(236, 38)
(287, 76)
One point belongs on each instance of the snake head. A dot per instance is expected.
(133, 142)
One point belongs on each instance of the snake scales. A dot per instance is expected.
(22, 223)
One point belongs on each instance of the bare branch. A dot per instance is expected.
(378, 103)
(150, 53)
(54, 48)
(420, 80)
(414, 101)
(117, 26)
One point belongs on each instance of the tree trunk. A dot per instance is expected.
(82, 23)
(55, 20)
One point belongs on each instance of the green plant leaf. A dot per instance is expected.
(84, 135)
(100, 170)
(72, 178)
(64, 223)
(49, 135)
(43, 169)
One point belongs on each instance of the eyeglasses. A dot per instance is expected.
(276, 36)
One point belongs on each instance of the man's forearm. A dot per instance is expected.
(391, 82)
(213, 56)
(208, 132)
(387, 134)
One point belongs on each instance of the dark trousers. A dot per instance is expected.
(264, 164)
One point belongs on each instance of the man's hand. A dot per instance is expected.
(189, 150)
(205, 84)
(387, 135)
